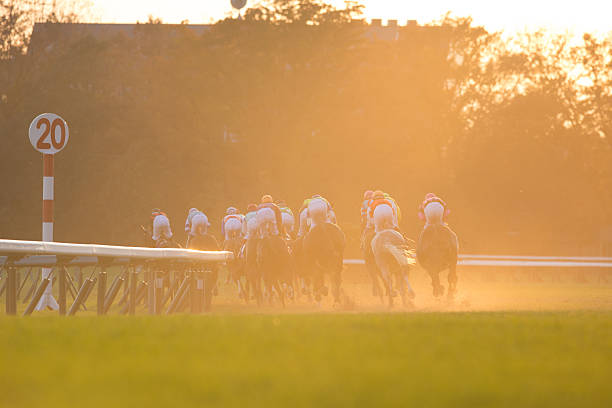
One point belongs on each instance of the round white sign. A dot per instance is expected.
(238, 4)
(48, 133)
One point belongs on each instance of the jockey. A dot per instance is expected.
(433, 210)
(304, 221)
(269, 217)
(320, 211)
(315, 210)
(249, 225)
(196, 224)
(232, 223)
(398, 213)
(288, 218)
(381, 213)
(367, 198)
(160, 226)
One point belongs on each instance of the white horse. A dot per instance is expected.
(394, 257)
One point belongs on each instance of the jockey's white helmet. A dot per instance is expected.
(192, 210)
(231, 211)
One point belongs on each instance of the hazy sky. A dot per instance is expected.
(514, 15)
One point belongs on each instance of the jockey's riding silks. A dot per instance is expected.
(367, 198)
(249, 225)
(266, 221)
(318, 211)
(232, 225)
(396, 209)
(196, 223)
(432, 198)
(380, 201)
(161, 226)
(199, 224)
(269, 217)
(288, 221)
(249, 228)
(304, 222)
(287, 214)
(434, 213)
(383, 217)
(315, 210)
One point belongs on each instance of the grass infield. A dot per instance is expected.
(518, 359)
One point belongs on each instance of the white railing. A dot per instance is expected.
(523, 261)
(108, 252)
(193, 266)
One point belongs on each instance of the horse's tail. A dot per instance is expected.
(401, 253)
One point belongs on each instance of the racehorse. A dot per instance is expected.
(370, 261)
(394, 257)
(274, 264)
(436, 251)
(300, 267)
(323, 251)
(251, 270)
(236, 267)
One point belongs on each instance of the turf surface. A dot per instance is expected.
(524, 359)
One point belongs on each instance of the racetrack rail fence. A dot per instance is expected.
(164, 279)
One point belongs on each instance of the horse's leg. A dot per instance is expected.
(386, 275)
(438, 289)
(452, 280)
(399, 283)
(317, 283)
(406, 273)
(373, 272)
(336, 277)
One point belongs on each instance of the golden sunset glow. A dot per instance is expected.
(583, 16)
(296, 203)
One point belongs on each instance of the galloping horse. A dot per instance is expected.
(251, 270)
(323, 251)
(436, 251)
(236, 267)
(370, 261)
(274, 264)
(394, 257)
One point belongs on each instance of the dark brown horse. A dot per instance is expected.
(323, 252)
(302, 276)
(236, 267)
(274, 265)
(251, 271)
(437, 251)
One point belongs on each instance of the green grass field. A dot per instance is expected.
(500, 359)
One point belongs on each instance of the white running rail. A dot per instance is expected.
(523, 261)
(32, 253)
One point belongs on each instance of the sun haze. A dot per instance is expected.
(587, 15)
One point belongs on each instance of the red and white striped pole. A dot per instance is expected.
(49, 135)
(47, 300)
